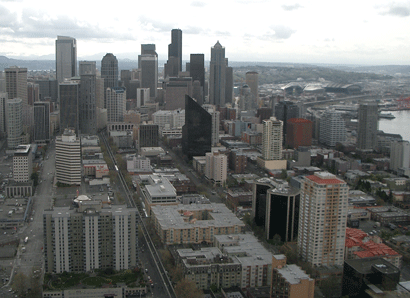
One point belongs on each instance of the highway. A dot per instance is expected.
(150, 257)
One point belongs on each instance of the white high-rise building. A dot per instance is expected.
(332, 128)
(322, 219)
(216, 167)
(272, 139)
(66, 58)
(116, 104)
(14, 122)
(91, 236)
(68, 158)
(399, 155)
(143, 96)
(22, 163)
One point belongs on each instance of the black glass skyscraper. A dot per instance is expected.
(175, 48)
(197, 72)
(197, 131)
(286, 110)
(109, 71)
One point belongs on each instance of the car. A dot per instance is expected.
(146, 270)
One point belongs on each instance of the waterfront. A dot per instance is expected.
(399, 125)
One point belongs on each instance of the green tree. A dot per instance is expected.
(187, 289)
(34, 177)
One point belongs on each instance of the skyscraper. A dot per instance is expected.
(322, 219)
(286, 110)
(399, 155)
(66, 58)
(217, 75)
(109, 72)
(14, 122)
(252, 82)
(87, 104)
(148, 135)
(16, 83)
(3, 110)
(148, 63)
(197, 131)
(116, 104)
(332, 128)
(42, 121)
(197, 72)
(368, 122)
(175, 48)
(228, 83)
(68, 158)
(299, 132)
(69, 97)
(272, 139)
(216, 167)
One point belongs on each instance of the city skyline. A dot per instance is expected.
(368, 33)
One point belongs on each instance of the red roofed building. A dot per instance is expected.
(299, 132)
(360, 245)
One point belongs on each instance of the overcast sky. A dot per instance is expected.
(341, 32)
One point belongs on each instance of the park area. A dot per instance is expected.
(97, 279)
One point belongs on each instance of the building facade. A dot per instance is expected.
(66, 58)
(91, 236)
(14, 122)
(68, 158)
(332, 128)
(299, 132)
(69, 97)
(272, 139)
(217, 75)
(368, 123)
(42, 121)
(148, 63)
(322, 219)
(116, 104)
(216, 167)
(399, 155)
(109, 72)
(22, 163)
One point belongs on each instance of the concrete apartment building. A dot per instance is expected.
(68, 158)
(194, 223)
(92, 236)
(216, 167)
(22, 163)
(14, 116)
(322, 219)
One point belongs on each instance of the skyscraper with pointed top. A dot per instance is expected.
(217, 78)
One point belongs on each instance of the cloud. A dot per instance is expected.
(192, 30)
(292, 7)
(396, 10)
(155, 25)
(198, 3)
(279, 32)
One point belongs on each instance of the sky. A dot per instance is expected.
(333, 32)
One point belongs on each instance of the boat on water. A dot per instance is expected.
(386, 116)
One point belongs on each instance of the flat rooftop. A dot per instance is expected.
(293, 274)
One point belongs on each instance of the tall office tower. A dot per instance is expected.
(42, 121)
(299, 132)
(322, 219)
(252, 81)
(143, 96)
(16, 83)
(48, 90)
(286, 110)
(263, 113)
(91, 236)
(175, 91)
(148, 63)
(245, 99)
(3, 110)
(228, 84)
(88, 68)
(109, 72)
(148, 135)
(272, 139)
(68, 158)
(332, 128)
(99, 92)
(275, 207)
(14, 116)
(69, 98)
(87, 104)
(197, 73)
(116, 104)
(66, 58)
(399, 155)
(217, 75)
(33, 93)
(175, 49)
(368, 121)
(215, 122)
(22, 163)
(216, 167)
(197, 131)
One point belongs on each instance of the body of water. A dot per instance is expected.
(400, 125)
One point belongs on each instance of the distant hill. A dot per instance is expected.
(29, 64)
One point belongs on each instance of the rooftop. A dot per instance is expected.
(293, 273)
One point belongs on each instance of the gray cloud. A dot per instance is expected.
(192, 30)
(156, 25)
(292, 7)
(396, 10)
(279, 32)
(198, 3)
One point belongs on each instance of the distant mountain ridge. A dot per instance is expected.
(44, 65)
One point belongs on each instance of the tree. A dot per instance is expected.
(34, 177)
(284, 174)
(20, 284)
(187, 289)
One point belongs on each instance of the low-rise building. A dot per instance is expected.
(194, 223)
